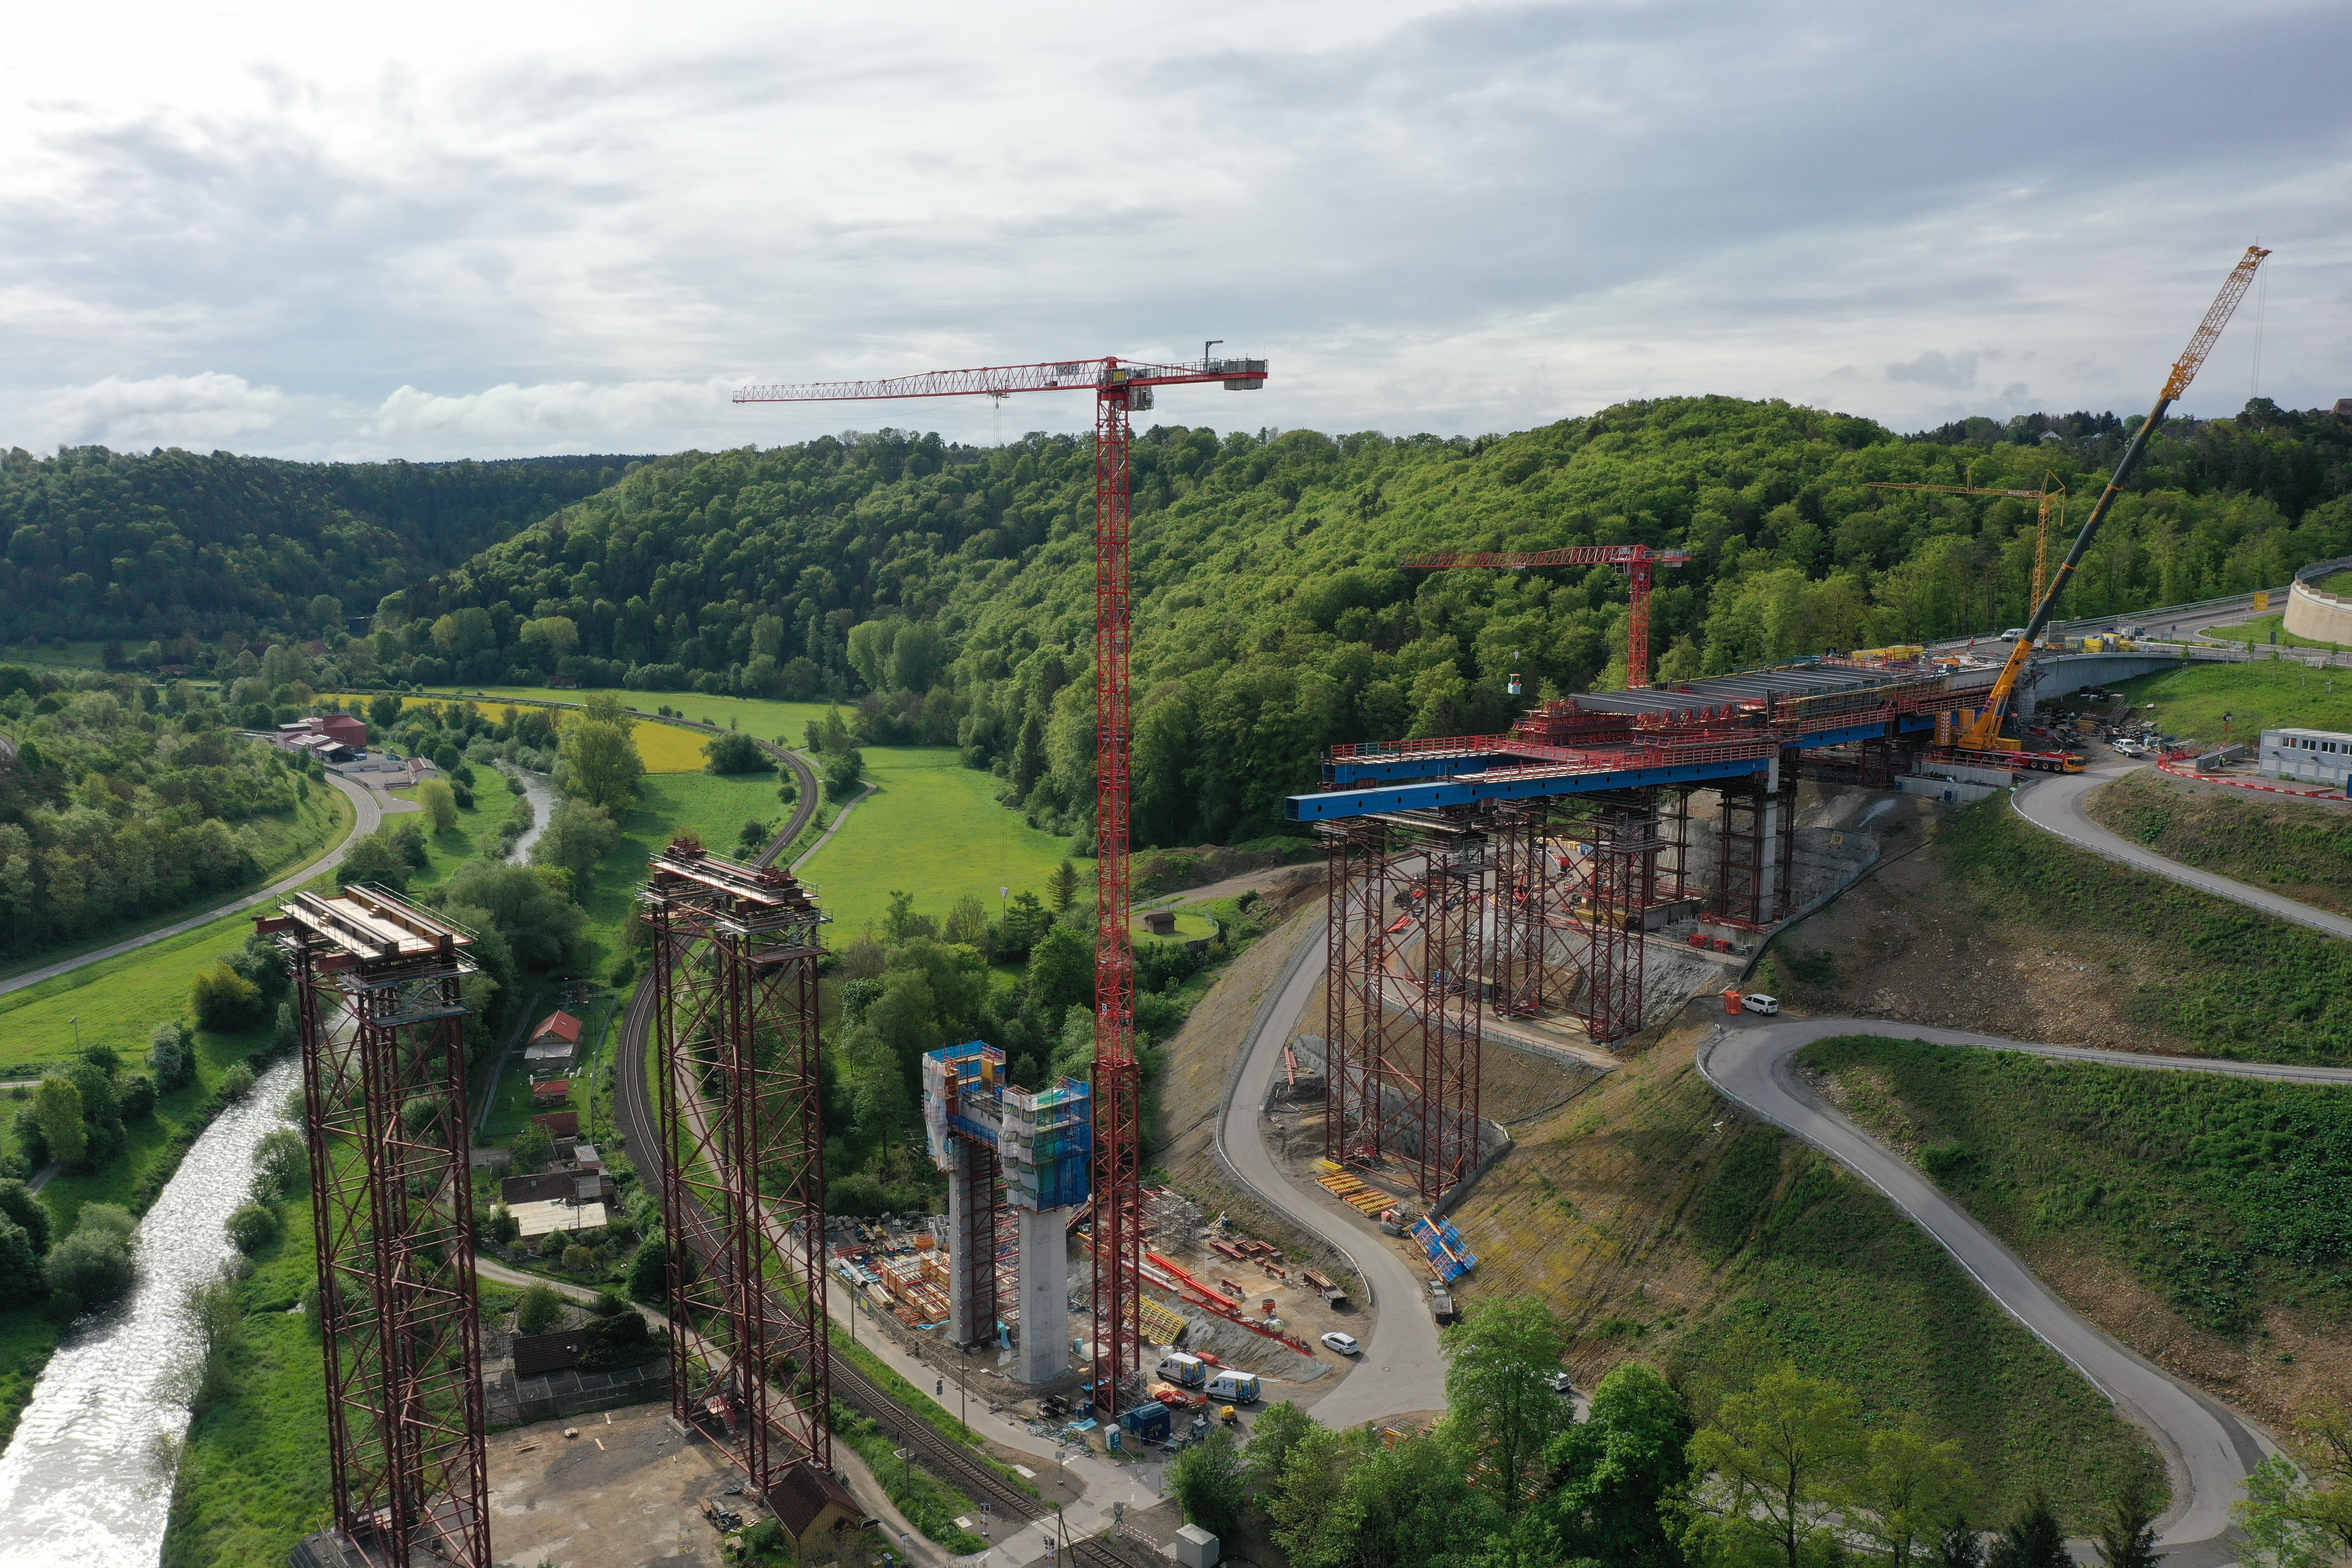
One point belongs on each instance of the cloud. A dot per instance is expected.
(199, 411)
(559, 412)
(1955, 374)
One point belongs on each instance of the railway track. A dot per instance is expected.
(944, 1456)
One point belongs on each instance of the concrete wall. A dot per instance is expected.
(2068, 673)
(2322, 617)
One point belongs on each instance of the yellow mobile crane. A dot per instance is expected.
(1983, 735)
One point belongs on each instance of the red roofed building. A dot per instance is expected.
(554, 1042)
(554, 1091)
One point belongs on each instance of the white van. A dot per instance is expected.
(1757, 1002)
(1184, 1371)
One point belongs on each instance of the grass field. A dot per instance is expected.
(934, 830)
(2297, 847)
(72, 656)
(2264, 630)
(1191, 926)
(2249, 1206)
(761, 716)
(2191, 700)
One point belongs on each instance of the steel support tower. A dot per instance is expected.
(380, 1016)
(1355, 959)
(1121, 388)
(1622, 842)
(735, 948)
(1526, 910)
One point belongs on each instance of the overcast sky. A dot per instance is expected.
(438, 230)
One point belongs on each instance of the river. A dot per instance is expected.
(86, 1483)
(543, 802)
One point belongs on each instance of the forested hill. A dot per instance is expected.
(112, 545)
(950, 588)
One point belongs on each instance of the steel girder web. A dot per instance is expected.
(1119, 1076)
(381, 1019)
(735, 951)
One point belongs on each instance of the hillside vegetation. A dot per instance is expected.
(2299, 849)
(2227, 1201)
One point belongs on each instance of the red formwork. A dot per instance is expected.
(735, 948)
(1119, 1077)
(381, 1016)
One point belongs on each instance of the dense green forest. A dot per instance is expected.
(945, 590)
(948, 588)
(186, 549)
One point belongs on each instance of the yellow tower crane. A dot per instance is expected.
(2051, 496)
(1984, 734)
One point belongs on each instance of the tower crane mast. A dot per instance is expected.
(1121, 387)
(2052, 497)
(1639, 563)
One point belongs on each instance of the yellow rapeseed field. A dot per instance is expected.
(666, 748)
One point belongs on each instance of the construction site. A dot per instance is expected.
(1552, 891)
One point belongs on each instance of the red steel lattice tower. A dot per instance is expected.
(381, 1019)
(1121, 388)
(742, 1158)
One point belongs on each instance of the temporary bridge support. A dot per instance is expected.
(735, 948)
(1408, 899)
(1755, 855)
(381, 1018)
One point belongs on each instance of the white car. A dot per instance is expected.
(1344, 1343)
(2013, 634)
(1757, 1002)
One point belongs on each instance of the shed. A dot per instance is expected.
(559, 1124)
(811, 1505)
(1148, 1421)
(553, 1351)
(1195, 1547)
(554, 1091)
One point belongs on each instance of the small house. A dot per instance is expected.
(559, 1124)
(811, 1506)
(2308, 756)
(553, 1045)
(554, 1091)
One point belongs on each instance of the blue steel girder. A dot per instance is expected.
(1452, 778)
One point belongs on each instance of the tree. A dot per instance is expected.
(1615, 1468)
(253, 1226)
(21, 1276)
(2033, 1539)
(439, 802)
(598, 761)
(578, 836)
(2279, 1519)
(23, 1207)
(224, 1000)
(2127, 1537)
(538, 1309)
(1503, 1353)
(1061, 970)
(94, 1264)
(237, 1081)
(375, 859)
(844, 776)
(1779, 1455)
(56, 1106)
(968, 921)
(1274, 1439)
(735, 752)
(533, 916)
(1961, 1545)
(1062, 887)
(281, 1162)
(531, 1150)
(1908, 1487)
(1206, 1482)
(172, 1054)
(649, 1271)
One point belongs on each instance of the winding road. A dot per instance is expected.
(2207, 1448)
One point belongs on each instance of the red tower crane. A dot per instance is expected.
(1121, 387)
(1640, 561)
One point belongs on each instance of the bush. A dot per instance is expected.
(608, 1305)
(223, 999)
(1947, 1162)
(649, 1272)
(253, 1226)
(281, 1162)
(138, 1096)
(238, 1082)
(844, 776)
(533, 1150)
(21, 1277)
(539, 1310)
(618, 1341)
(172, 1054)
(502, 1226)
(23, 1207)
(735, 752)
(92, 1265)
(1207, 1481)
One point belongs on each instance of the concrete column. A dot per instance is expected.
(1044, 1295)
(963, 1313)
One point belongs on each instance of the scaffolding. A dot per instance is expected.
(1408, 904)
(381, 1012)
(735, 948)
(1520, 981)
(1755, 855)
(1621, 841)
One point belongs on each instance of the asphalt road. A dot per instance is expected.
(2207, 1448)
(2054, 803)
(1398, 1369)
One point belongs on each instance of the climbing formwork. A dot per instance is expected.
(380, 1013)
(735, 948)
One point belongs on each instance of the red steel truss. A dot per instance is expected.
(1120, 388)
(1408, 904)
(742, 1158)
(381, 1024)
(1526, 910)
(1622, 841)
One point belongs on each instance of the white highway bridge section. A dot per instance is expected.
(2207, 1448)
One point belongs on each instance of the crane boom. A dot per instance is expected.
(1984, 734)
(998, 381)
